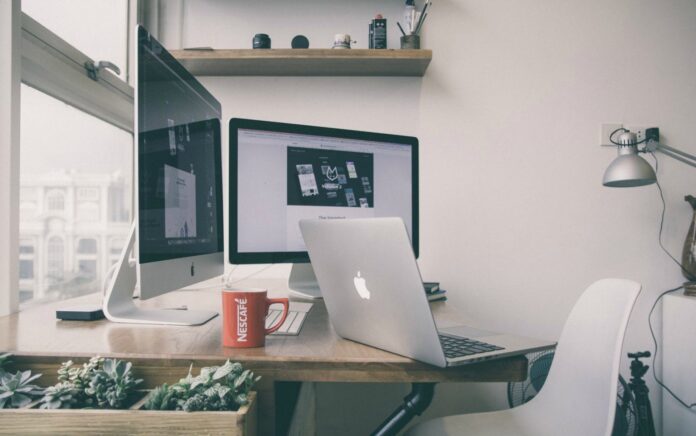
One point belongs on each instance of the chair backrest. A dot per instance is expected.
(579, 396)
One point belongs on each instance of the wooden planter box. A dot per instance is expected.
(133, 421)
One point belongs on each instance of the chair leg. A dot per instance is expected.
(414, 404)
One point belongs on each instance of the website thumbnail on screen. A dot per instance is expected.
(330, 178)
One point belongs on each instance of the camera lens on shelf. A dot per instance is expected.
(261, 40)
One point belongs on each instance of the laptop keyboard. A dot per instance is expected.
(459, 347)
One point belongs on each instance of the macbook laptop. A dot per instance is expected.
(374, 295)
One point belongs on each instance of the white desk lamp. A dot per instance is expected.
(629, 169)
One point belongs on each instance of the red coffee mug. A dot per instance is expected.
(244, 317)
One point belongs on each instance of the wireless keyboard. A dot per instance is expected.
(293, 323)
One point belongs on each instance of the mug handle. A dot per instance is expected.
(286, 309)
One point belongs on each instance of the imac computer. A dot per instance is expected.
(177, 237)
(282, 173)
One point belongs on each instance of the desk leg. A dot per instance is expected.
(415, 403)
(295, 408)
(304, 418)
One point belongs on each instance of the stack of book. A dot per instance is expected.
(433, 291)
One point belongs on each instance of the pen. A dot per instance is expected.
(401, 28)
(420, 24)
(421, 19)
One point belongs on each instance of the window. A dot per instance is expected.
(72, 161)
(87, 194)
(98, 28)
(87, 246)
(55, 201)
(26, 269)
(75, 142)
(26, 246)
(87, 269)
(55, 259)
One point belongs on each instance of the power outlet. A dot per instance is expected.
(607, 130)
(638, 130)
(652, 133)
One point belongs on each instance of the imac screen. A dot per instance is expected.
(179, 163)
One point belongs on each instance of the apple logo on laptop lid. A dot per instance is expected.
(360, 287)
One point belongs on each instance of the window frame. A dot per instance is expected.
(42, 60)
(56, 68)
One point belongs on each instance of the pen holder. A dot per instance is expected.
(410, 42)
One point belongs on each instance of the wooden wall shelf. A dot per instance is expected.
(305, 62)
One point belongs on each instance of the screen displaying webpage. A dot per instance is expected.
(286, 177)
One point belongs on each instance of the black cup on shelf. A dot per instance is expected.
(410, 42)
(300, 41)
(261, 40)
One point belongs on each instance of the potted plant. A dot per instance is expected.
(100, 384)
(216, 388)
(17, 390)
(220, 396)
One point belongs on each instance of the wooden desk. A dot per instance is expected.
(163, 353)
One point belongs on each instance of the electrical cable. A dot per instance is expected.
(652, 309)
(662, 218)
(107, 277)
(259, 271)
(652, 333)
(611, 135)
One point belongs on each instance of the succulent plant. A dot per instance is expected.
(163, 398)
(80, 377)
(64, 395)
(99, 383)
(111, 385)
(4, 360)
(16, 389)
(223, 387)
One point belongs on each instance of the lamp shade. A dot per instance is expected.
(627, 171)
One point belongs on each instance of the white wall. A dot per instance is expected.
(514, 220)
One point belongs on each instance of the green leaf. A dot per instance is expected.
(223, 370)
(241, 399)
(29, 379)
(20, 400)
(241, 379)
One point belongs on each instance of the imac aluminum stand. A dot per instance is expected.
(118, 305)
(302, 282)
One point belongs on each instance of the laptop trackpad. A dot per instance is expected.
(467, 332)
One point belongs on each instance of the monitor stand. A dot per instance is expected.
(302, 282)
(118, 305)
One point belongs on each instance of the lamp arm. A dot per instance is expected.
(677, 154)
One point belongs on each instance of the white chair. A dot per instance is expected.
(579, 396)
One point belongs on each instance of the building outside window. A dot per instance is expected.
(75, 163)
(88, 194)
(27, 276)
(115, 248)
(82, 225)
(55, 201)
(55, 259)
(26, 269)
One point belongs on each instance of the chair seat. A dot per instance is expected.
(579, 396)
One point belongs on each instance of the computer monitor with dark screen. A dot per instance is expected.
(178, 224)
